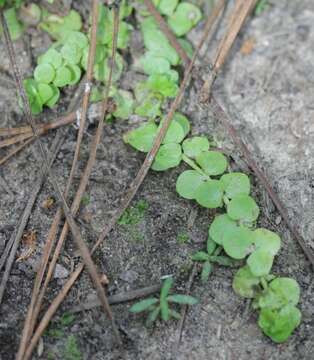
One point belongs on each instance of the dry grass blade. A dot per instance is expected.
(39, 291)
(118, 298)
(15, 151)
(130, 194)
(43, 155)
(84, 179)
(239, 14)
(14, 241)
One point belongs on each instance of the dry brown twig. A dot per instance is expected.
(43, 155)
(238, 16)
(125, 203)
(35, 303)
(82, 186)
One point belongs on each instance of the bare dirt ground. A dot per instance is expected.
(269, 95)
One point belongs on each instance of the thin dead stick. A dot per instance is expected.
(31, 317)
(222, 116)
(185, 307)
(15, 239)
(67, 212)
(42, 128)
(128, 198)
(241, 10)
(165, 28)
(85, 176)
(36, 299)
(15, 151)
(118, 298)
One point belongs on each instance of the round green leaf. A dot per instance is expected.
(45, 92)
(267, 240)
(279, 324)
(72, 53)
(236, 184)
(184, 18)
(143, 137)
(209, 194)
(281, 292)
(76, 74)
(183, 121)
(187, 184)
(260, 262)
(174, 134)
(63, 76)
(168, 156)
(124, 102)
(237, 242)
(77, 38)
(194, 146)
(212, 162)
(52, 57)
(245, 283)
(150, 107)
(221, 225)
(156, 42)
(153, 64)
(167, 7)
(55, 97)
(163, 84)
(44, 73)
(243, 207)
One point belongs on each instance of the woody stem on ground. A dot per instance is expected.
(35, 300)
(82, 186)
(43, 155)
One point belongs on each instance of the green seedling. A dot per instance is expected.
(59, 327)
(135, 214)
(185, 17)
(72, 351)
(183, 237)
(161, 307)
(209, 257)
(260, 7)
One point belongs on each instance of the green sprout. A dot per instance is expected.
(209, 257)
(135, 214)
(72, 351)
(16, 28)
(161, 307)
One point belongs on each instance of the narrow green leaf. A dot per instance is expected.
(174, 314)
(200, 256)
(143, 305)
(182, 299)
(211, 245)
(206, 271)
(166, 287)
(152, 316)
(164, 307)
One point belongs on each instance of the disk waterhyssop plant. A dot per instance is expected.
(161, 307)
(233, 235)
(66, 60)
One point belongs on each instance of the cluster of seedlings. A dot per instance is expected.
(233, 236)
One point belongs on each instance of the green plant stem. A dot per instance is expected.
(264, 283)
(194, 166)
